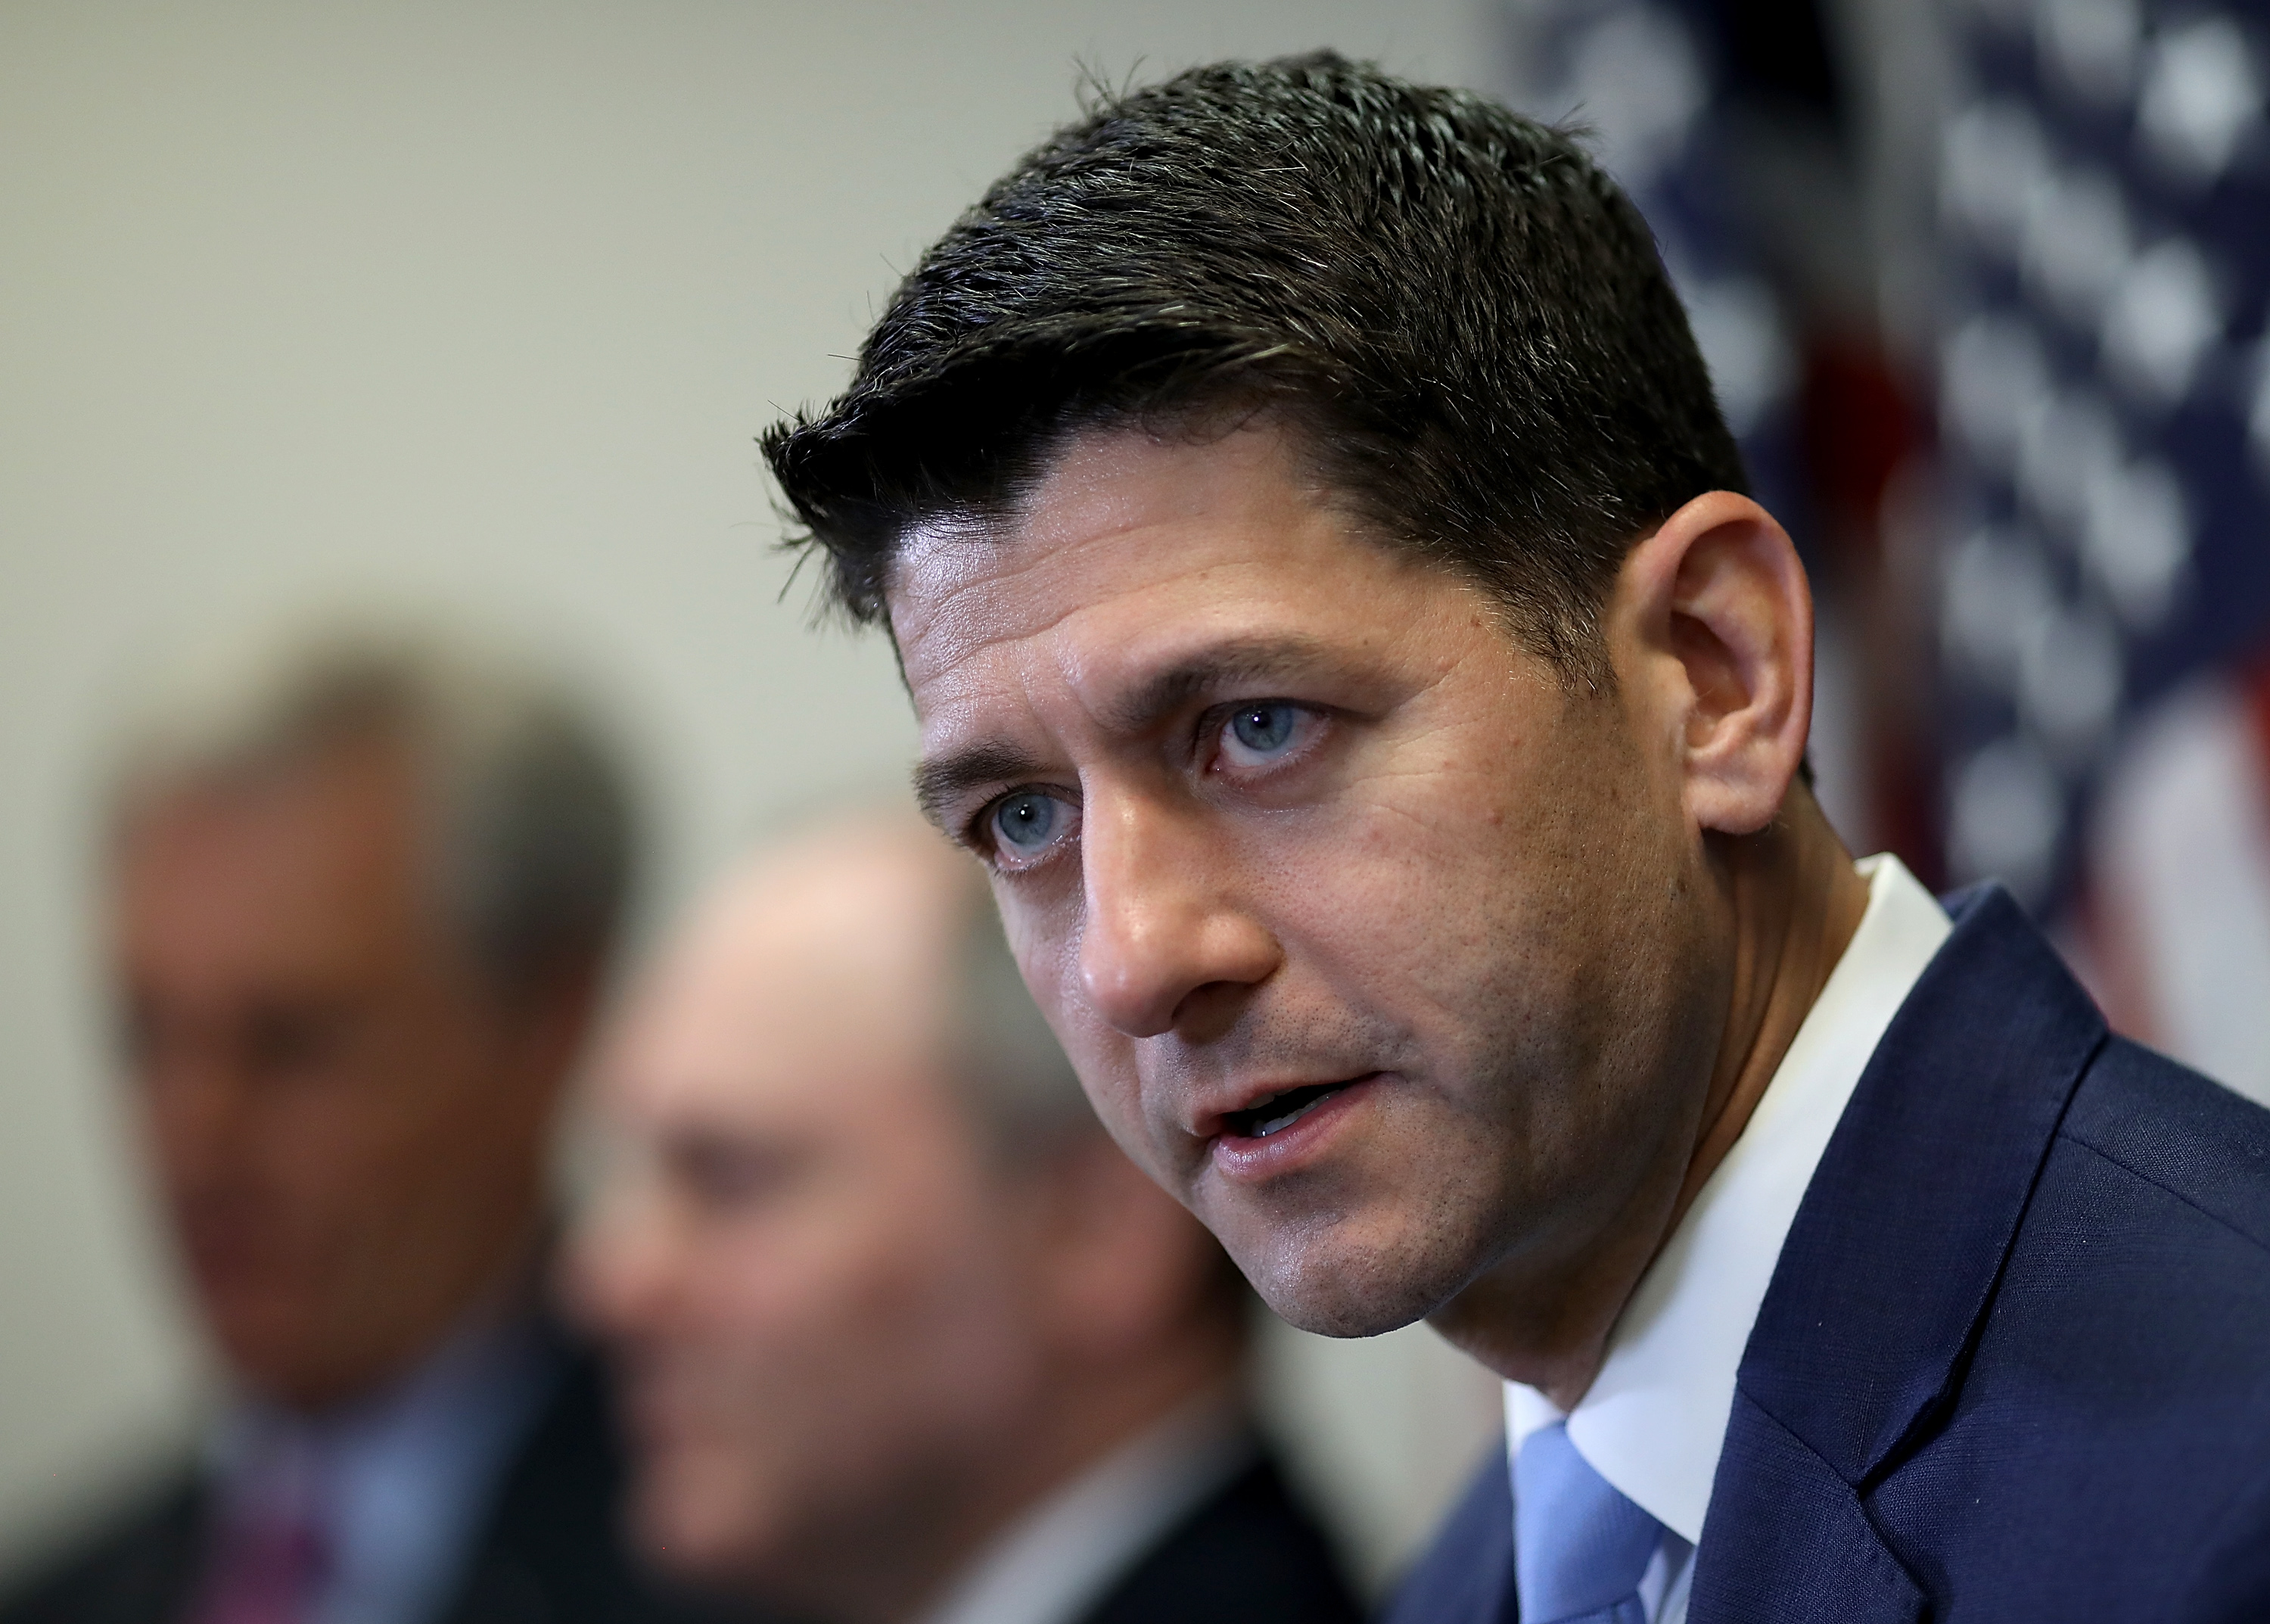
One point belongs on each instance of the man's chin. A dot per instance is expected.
(681, 1527)
(1333, 1286)
(290, 1355)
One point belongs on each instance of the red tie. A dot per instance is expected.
(267, 1571)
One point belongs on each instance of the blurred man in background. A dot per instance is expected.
(904, 1336)
(362, 894)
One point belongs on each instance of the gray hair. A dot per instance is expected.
(1000, 1052)
(532, 825)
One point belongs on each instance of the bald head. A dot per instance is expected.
(824, 957)
(877, 1278)
(874, 937)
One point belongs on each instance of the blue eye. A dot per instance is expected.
(1023, 822)
(1263, 730)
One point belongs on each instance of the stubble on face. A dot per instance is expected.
(1455, 903)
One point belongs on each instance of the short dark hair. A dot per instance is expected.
(1462, 319)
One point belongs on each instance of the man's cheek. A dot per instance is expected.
(1115, 1091)
(1048, 960)
(1116, 1096)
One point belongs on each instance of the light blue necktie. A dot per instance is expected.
(1579, 1546)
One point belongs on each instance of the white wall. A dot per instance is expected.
(483, 303)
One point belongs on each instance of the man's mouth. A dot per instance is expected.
(1280, 1111)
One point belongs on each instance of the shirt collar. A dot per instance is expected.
(1655, 1417)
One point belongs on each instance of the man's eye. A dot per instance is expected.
(1259, 733)
(292, 1043)
(728, 1177)
(1026, 824)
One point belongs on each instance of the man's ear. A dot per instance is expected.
(1711, 629)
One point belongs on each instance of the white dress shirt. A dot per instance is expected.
(1654, 1419)
(1058, 1559)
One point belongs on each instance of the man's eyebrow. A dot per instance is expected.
(1239, 663)
(939, 784)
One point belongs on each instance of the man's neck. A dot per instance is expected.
(1795, 912)
(1794, 901)
(506, 1295)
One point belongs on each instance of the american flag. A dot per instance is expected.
(2095, 689)
(2104, 413)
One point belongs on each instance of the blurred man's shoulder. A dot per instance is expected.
(549, 1546)
(134, 1565)
(1251, 1553)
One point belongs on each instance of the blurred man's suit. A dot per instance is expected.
(1242, 1549)
(545, 1550)
(2014, 1360)
(1249, 1553)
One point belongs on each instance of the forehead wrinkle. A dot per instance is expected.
(1077, 512)
(946, 640)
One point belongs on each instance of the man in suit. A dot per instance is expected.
(363, 887)
(902, 1335)
(1326, 591)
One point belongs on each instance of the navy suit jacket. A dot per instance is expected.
(2015, 1360)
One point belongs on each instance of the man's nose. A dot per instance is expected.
(1161, 929)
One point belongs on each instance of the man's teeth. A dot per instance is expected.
(1269, 1125)
(1296, 1104)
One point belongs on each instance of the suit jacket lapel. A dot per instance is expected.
(1887, 1272)
(1787, 1539)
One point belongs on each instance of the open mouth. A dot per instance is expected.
(1280, 1111)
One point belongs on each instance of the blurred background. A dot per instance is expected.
(479, 307)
